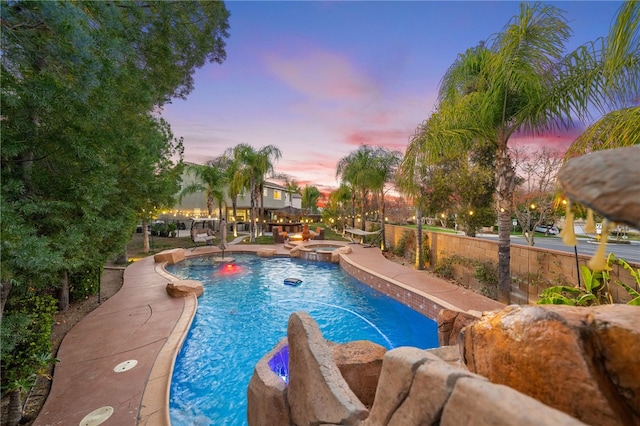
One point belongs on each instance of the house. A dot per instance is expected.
(274, 197)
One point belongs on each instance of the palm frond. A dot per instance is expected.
(614, 130)
(621, 69)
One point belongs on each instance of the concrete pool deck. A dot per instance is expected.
(115, 365)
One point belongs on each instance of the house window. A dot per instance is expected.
(277, 195)
(265, 192)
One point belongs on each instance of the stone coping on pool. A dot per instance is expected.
(143, 323)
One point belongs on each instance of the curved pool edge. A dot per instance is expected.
(154, 406)
(363, 263)
(158, 385)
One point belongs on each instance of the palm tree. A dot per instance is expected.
(607, 74)
(340, 197)
(291, 187)
(211, 180)
(385, 164)
(356, 169)
(490, 92)
(253, 166)
(411, 180)
(310, 196)
(237, 181)
(520, 81)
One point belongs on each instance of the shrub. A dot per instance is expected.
(25, 344)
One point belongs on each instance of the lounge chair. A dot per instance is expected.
(319, 235)
(278, 235)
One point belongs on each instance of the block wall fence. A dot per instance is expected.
(532, 269)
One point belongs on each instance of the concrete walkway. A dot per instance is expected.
(116, 364)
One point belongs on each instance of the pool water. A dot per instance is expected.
(243, 314)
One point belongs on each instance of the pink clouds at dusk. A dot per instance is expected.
(323, 75)
(317, 79)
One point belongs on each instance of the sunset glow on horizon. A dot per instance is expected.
(318, 79)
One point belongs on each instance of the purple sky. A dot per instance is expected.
(319, 78)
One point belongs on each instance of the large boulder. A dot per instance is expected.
(582, 361)
(170, 256)
(482, 403)
(425, 387)
(607, 181)
(451, 323)
(317, 393)
(395, 382)
(184, 288)
(267, 394)
(360, 363)
(266, 252)
(335, 254)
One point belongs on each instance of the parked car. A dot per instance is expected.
(547, 230)
(139, 228)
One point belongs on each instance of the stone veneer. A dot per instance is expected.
(417, 302)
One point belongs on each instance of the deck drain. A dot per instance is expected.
(125, 366)
(97, 416)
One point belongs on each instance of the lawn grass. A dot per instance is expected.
(158, 244)
(431, 228)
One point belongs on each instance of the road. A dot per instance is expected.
(628, 252)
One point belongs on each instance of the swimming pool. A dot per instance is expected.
(244, 312)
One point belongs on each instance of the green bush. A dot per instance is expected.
(84, 284)
(26, 340)
(595, 289)
(485, 273)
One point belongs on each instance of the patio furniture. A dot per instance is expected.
(362, 234)
(201, 236)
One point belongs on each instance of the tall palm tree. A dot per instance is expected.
(521, 82)
(291, 187)
(340, 197)
(210, 179)
(385, 163)
(237, 179)
(356, 169)
(253, 166)
(411, 180)
(494, 90)
(310, 196)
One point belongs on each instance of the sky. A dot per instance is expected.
(317, 79)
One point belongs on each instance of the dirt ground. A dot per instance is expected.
(64, 321)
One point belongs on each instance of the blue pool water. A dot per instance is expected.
(244, 312)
